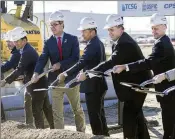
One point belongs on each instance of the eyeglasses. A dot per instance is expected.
(56, 24)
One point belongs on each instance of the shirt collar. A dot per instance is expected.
(21, 50)
(158, 39)
(59, 36)
(116, 42)
(88, 42)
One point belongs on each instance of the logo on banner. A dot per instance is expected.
(149, 7)
(129, 7)
(169, 6)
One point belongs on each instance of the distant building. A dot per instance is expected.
(72, 20)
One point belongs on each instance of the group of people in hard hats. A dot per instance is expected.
(127, 62)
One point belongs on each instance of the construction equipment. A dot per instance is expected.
(23, 19)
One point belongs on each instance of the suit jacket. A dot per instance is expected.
(70, 53)
(93, 54)
(12, 62)
(26, 67)
(160, 60)
(125, 51)
(171, 75)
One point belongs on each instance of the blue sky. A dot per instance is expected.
(107, 7)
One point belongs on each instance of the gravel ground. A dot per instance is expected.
(17, 130)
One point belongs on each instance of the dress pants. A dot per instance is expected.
(95, 107)
(40, 104)
(134, 125)
(167, 104)
(73, 96)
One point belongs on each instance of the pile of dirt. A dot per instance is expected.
(17, 130)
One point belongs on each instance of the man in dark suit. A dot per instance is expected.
(15, 55)
(95, 89)
(11, 63)
(125, 50)
(29, 57)
(63, 51)
(160, 60)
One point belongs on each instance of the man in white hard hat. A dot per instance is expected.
(29, 57)
(168, 75)
(160, 60)
(124, 50)
(12, 63)
(94, 89)
(63, 51)
(15, 55)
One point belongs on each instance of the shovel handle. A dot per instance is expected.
(147, 82)
(30, 82)
(168, 90)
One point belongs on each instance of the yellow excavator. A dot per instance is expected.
(23, 19)
(9, 20)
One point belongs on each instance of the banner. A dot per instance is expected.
(146, 8)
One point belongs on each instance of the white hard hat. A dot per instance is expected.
(87, 23)
(17, 33)
(56, 16)
(158, 19)
(7, 36)
(113, 20)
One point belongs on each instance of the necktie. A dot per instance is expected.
(59, 47)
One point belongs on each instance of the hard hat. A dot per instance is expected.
(7, 36)
(113, 20)
(158, 19)
(56, 16)
(87, 23)
(17, 33)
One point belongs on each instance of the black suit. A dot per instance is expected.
(95, 88)
(126, 50)
(40, 101)
(161, 60)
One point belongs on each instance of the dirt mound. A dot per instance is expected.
(17, 130)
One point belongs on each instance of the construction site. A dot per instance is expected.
(38, 31)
